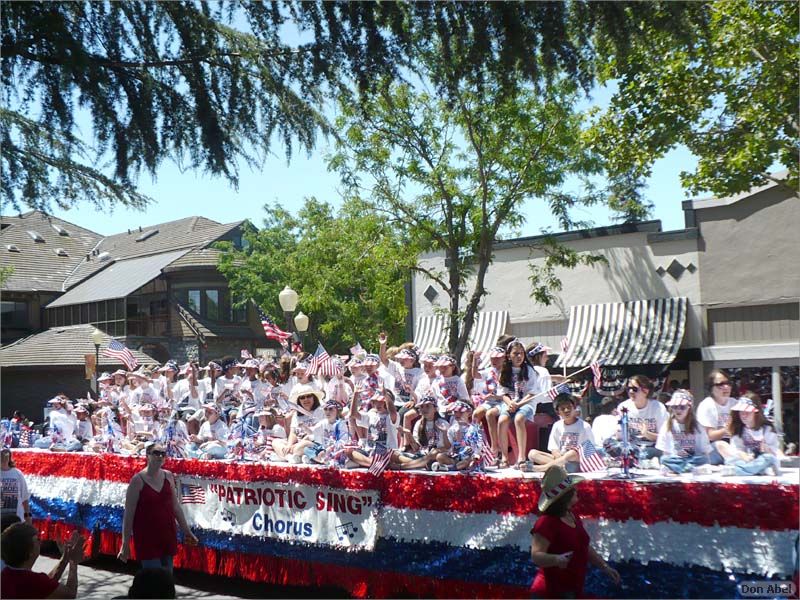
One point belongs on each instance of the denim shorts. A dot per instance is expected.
(527, 410)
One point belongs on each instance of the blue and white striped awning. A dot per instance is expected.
(625, 333)
(430, 334)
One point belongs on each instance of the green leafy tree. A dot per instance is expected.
(454, 177)
(726, 89)
(348, 268)
(211, 85)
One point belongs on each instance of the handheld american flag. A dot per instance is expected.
(590, 458)
(246, 353)
(380, 460)
(119, 351)
(321, 362)
(272, 331)
(598, 374)
(561, 388)
(564, 345)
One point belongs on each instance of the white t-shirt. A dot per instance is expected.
(604, 427)
(380, 428)
(303, 425)
(435, 433)
(259, 389)
(654, 415)
(327, 434)
(183, 393)
(678, 442)
(750, 440)
(711, 414)
(563, 436)
(216, 431)
(405, 380)
(276, 431)
(455, 433)
(226, 387)
(144, 394)
(14, 493)
(64, 422)
(84, 430)
(450, 389)
(542, 382)
(527, 386)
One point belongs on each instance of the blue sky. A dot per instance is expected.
(177, 195)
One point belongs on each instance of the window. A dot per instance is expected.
(194, 300)
(14, 314)
(238, 314)
(212, 304)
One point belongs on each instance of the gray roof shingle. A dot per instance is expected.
(62, 346)
(37, 267)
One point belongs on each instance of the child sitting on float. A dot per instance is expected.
(683, 441)
(567, 435)
(305, 400)
(380, 423)
(330, 436)
(753, 449)
(429, 438)
(462, 455)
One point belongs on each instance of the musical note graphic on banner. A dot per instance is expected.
(228, 516)
(346, 529)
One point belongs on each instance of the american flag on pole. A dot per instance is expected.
(272, 331)
(561, 388)
(598, 374)
(380, 460)
(487, 456)
(119, 351)
(564, 345)
(192, 494)
(590, 458)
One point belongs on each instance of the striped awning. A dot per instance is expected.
(625, 333)
(430, 334)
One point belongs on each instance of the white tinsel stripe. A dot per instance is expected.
(717, 548)
(83, 491)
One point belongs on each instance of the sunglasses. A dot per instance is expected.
(330, 409)
(679, 408)
(633, 389)
(722, 384)
(158, 453)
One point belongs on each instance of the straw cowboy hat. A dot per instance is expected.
(556, 483)
(305, 389)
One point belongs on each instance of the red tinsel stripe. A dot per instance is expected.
(359, 582)
(768, 506)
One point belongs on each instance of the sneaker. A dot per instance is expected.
(702, 470)
(525, 467)
(351, 464)
(306, 461)
(294, 459)
(435, 466)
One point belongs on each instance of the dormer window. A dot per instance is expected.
(12, 248)
(36, 237)
(104, 256)
(61, 230)
(61, 252)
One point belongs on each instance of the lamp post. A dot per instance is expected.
(97, 339)
(301, 324)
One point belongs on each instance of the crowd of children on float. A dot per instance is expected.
(415, 409)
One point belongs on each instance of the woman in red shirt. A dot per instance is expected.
(151, 508)
(560, 545)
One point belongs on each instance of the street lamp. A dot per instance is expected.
(97, 339)
(301, 324)
(288, 300)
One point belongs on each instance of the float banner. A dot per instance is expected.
(287, 512)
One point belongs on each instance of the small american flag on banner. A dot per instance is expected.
(272, 331)
(380, 460)
(564, 345)
(246, 353)
(119, 351)
(25, 438)
(192, 494)
(598, 374)
(590, 458)
(561, 388)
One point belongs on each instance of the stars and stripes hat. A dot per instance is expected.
(250, 363)
(214, 365)
(428, 358)
(170, 365)
(404, 354)
(372, 359)
(426, 399)
(538, 348)
(460, 406)
(228, 363)
(681, 398)
(445, 360)
(106, 376)
(745, 404)
(122, 372)
(556, 483)
(497, 352)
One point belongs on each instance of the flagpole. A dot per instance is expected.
(555, 386)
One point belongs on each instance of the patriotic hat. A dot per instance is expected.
(250, 363)
(681, 398)
(745, 405)
(427, 399)
(106, 376)
(428, 358)
(211, 406)
(444, 361)
(120, 372)
(142, 374)
(56, 400)
(331, 403)
(460, 406)
(146, 406)
(81, 408)
(300, 366)
(170, 365)
(372, 359)
(227, 364)
(356, 361)
(305, 389)
(497, 352)
(266, 412)
(405, 353)
(538, 348)
(556, 483)
(213, 365)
